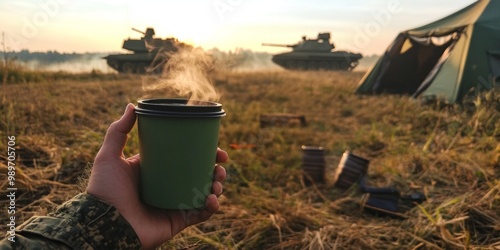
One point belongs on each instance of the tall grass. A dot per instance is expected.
(450, 153)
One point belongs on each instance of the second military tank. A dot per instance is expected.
(315, 54)
(149, 53)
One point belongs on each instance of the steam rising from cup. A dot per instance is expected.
(186, 73)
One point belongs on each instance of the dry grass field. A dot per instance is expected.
(450, 153)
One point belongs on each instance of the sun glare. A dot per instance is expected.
(188, 23)
(190, 33)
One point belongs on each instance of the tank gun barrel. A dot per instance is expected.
(277, 45)
(136, 30)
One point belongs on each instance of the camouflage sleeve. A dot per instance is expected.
(84, 222)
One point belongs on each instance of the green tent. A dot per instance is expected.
(446, 59)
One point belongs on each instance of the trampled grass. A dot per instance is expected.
(449, 153)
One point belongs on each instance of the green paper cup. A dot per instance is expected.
(178, 145)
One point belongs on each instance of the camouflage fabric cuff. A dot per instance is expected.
(85, 222)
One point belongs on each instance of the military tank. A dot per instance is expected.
(315, 54)
(149, 53)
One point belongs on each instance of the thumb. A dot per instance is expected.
(116, 136)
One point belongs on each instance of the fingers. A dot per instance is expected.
(217, 188)
(219, 173)
(116, 136)
(219, 177)
(211, 206)
(222, 156)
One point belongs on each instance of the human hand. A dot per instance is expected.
(115, 179)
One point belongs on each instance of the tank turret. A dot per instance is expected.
(148, 53)
(314, 54)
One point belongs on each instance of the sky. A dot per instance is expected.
(365, 26)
